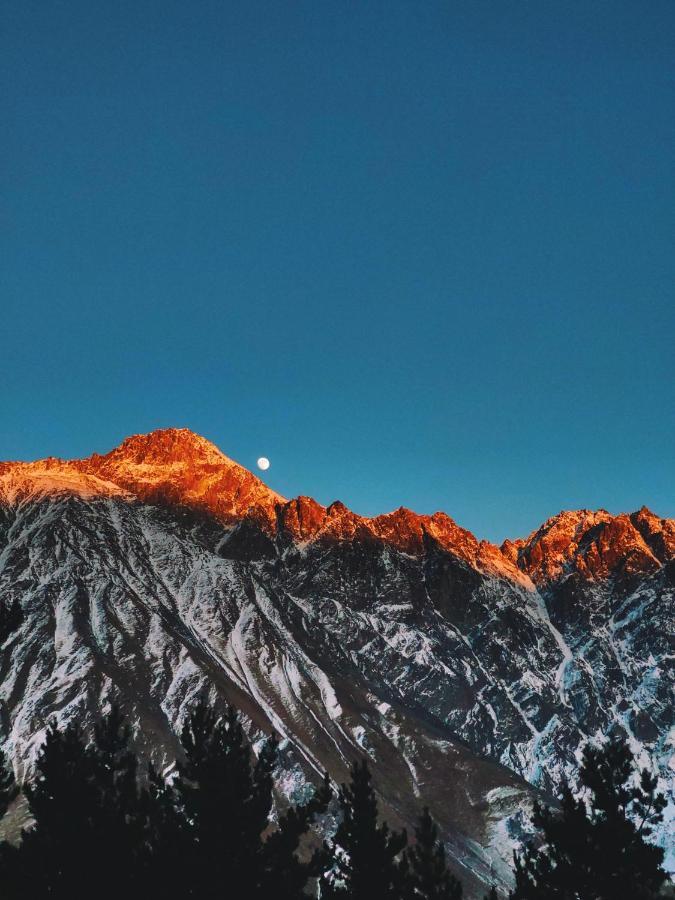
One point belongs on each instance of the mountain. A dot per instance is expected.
(470, 674)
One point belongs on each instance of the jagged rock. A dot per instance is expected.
(164, 570)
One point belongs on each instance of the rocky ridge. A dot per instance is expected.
(163, 570)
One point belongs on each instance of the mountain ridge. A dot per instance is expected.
(163, 572)
(178, 466)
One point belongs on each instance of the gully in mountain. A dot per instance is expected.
(163, 571)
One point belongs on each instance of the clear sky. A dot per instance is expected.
(416, 253)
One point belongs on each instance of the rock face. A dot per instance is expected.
(595, 546)
(163, 570)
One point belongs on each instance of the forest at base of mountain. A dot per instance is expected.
(211, 827)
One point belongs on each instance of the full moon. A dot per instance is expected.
(263, 463)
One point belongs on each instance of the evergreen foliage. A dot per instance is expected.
(225, 798)
(596, 848)
(365, 851)
(159, 870)
(10, 882)
(106, 827)
(284, 875)
(225, 803)
(427, 873)
(59, 852)
(84, 800)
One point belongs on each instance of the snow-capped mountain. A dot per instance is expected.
(467, 672)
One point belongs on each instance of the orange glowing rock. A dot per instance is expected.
(177, 467)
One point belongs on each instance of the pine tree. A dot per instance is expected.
(284, 875)
(59, 852)
(85, 804)
(492, 895)
(10, 879)
(364, 851)
(427, 872)
(596, 848)
(225, 801)
(117, 815)
(160, 869)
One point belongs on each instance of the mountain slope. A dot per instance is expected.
(163, 570)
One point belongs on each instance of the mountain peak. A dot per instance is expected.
(167, 445)
(175, 465)
(594, 544)
(169, 465)
(178, 467)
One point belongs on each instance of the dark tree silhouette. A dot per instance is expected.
(117, 815)
(225, 795)
(225, 801)
(427, 873)
(284, 875)
(595, 848)
(364, 851)
(10, 880)
(159, 868)
(104, 826)
(59, 853)
(84, 800)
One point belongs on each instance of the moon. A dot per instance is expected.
(263, 463)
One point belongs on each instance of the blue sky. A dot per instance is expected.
(415, 253)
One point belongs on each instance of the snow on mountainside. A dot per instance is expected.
(172, 465)
(595, 545)
(163, 570)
